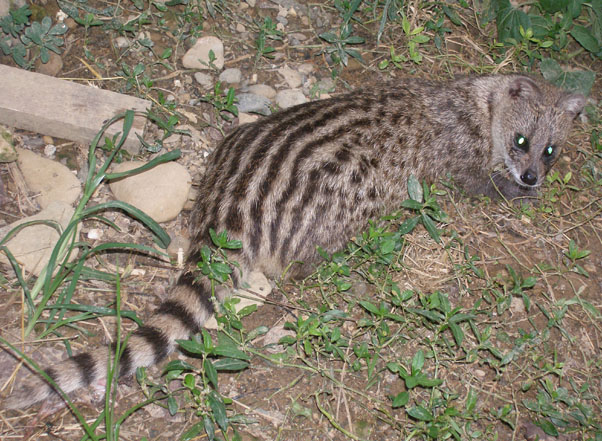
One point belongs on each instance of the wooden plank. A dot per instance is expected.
(64, 109)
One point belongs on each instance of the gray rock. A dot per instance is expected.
(326, 85)
(51, 180)
(33, 245)
(160, 192)
(262, 90)
(289, 98)
(197, 57)
(251, 103)
(204, 79)
(231, 76)
(292, 77)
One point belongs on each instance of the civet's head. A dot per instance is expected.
(531, 121)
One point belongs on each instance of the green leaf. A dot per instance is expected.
(400, 399)
(191, 346)
(457, 333)
(329, 37)
(415, 189)
(172, 405)
(210, 371)
(193, 432)
(178, 365)
(387, 246)
(553, 6)
(420, 38)
(417, 362)
(420, 413)
(230, 351)
(452, 15)
(431, 315)
(408, 225)
(548, 427)
(585, 38)
(370, 307)
(431, 227)
(509, 20)
(231, 364)
(411, 204)
(209, 427)
(425, 381)
(573, 81)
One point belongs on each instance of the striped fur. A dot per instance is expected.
(313, 175)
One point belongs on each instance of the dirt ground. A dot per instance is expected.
(293, 399)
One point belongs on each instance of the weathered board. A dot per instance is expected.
(64, 109)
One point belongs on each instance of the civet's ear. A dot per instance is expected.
(571, 103)
(523, 87)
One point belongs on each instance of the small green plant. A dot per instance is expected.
(223, 103)
(574, 254)
(134, 78)
(423, 200)
(415, 38)
(339, 49)
(548, 24)
(20, 36)
(202, 383)
(267, 31)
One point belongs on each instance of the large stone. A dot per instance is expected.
(160, 192)
(33, 245)
(65, 109)
(197, 57)
(51, 180)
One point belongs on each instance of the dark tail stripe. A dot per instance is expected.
(203, 294)
(157, 339)
(178, 311)
(86, 365)
(125, 361)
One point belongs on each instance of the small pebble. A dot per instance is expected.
(49, 150)
(121, 42)
(94, 234)
(204, 79)
(289, 98)
(231, 76)
(292, 77)
(251, 103)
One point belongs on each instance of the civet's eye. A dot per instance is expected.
(549, 151)
(520, 142)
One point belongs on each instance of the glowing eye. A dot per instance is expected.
(520, 142)
(549, 151)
